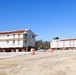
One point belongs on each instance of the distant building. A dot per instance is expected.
(19, 40)
(63, 44)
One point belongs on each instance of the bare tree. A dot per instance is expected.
(42, 45)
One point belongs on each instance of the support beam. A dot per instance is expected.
(17, 50)
(12, 50)
(0, 50)
(23, 50)
(26, 49)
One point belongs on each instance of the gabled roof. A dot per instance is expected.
(13, 32)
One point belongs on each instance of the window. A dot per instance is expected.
(13, 41)
(18, 35)
(57, 45)
(33, 36)
(14, 35)
(70, 44)
(57, 42)
(7, 41)
(25, 35)
(7, 35)
(18, 42)
(73, 41)
(25, 41)
(63, 45)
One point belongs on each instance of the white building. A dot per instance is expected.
(63, 44)
(18, 40)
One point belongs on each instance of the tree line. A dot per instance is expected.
(42, 44)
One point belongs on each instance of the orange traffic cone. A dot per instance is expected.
(33, 51)
(51, 50)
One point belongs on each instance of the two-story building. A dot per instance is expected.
(18, 40)
(63, 44)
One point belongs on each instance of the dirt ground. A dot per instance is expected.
(61, 62)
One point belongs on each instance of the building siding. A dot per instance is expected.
(17, 39)
(66, 43)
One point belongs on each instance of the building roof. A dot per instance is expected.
(70, 39)
(13, 32)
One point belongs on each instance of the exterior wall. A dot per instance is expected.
(4, 36)
(10, 44)
(30, 41)
(10, 38)
(55, 44)
(63, 44)
(13, 40)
